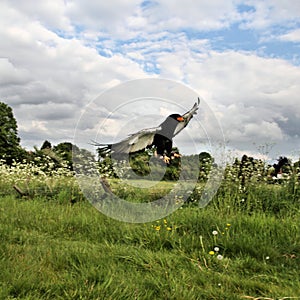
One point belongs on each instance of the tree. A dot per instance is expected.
(10, 148)
(283, 166)
(206, 162)
(142, 164)
(46, 145)
(64, 150)
(71, 154)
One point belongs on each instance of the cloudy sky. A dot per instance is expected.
(241, 57)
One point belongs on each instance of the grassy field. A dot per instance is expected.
(238, 247)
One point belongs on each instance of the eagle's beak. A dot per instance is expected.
(180, 119)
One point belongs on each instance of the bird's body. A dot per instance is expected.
(160, 137)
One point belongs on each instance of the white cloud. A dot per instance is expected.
(58, 56)
(245, 77)
(40, 126)
(57, 69)
(291, 36)
(264, 14)
(50, 14)
(263, 130)
(45, 76)
(11, 75)
(203, 15)
(255, 98)
(111, 17)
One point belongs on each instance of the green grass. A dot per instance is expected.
(51, 249)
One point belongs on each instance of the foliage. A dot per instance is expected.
(283, 166)
(10, 148)
(205, 164)
(64, 151)
(60, 156)
(144, 163)
(46, 145)
(43, 181)
(54, 250)
(55, 245)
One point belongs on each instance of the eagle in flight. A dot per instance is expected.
(159, 137)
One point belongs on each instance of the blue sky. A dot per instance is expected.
(241, 57)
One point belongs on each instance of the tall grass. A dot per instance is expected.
(244, 245)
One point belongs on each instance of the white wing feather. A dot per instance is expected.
(187, 117)
(136, 142)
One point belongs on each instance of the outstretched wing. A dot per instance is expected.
(133, 143)
(187, 117)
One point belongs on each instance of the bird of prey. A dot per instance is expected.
(159, 137)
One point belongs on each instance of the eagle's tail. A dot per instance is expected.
(103, 149)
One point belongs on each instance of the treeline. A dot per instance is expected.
(49, 157)
(46, 157)
(141, 164)
(242, 170)
(145, 164)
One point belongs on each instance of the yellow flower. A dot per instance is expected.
(211, 252)
(165, 221)
(157, 227)
(169, 228)
(228, 224)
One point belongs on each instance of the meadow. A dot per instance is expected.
(245, 244)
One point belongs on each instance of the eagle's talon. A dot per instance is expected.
(166, 159)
